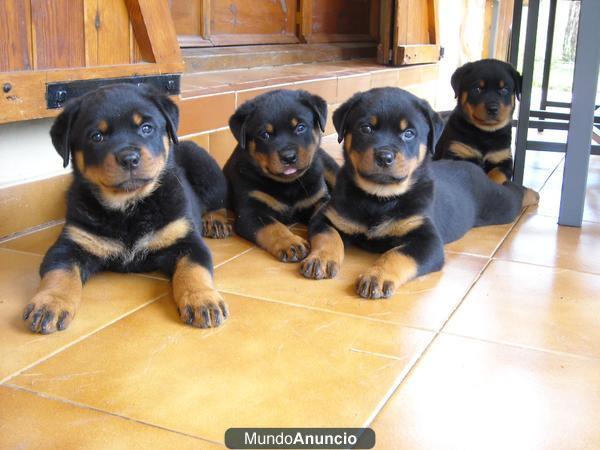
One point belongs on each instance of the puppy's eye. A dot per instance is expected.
(477, 90)
(300, 128)
(503, 91)
(409, 134)
(96, 137)
(264, 135)
(147, 129)
(366, 129)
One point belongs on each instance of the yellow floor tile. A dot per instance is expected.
(541, 307)
(470, 395)
(540, 240)
(268, 365)
(426, 302)
(40, 241)
(482, 241)
(105, 298)
(32, 422)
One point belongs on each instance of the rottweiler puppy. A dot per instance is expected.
(479, 129)
(389, 198)
(139, 202)
(278, 174)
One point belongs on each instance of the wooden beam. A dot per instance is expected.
(417, 54)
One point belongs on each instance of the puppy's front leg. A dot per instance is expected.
(280, 242)
(419, 252)
(326, 250)
(198, 302)
(64, 269)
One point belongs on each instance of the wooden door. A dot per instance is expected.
(234, 22)
(410, 33)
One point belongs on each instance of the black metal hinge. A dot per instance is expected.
(59, 93)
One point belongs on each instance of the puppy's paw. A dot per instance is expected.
(48, 312)
(319, 265)
(215, 225)
(530, 198)
(375, 284)
(202, 308)
(290, 248)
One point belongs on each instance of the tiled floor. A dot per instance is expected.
(499, 350)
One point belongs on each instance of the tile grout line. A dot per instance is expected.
(105, 412)
(418, 358)
(79, 339)
(31, 230)
(544, 266)
(523, 347)
(330, 311)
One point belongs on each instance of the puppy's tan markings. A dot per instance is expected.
(137, 119)
(216, 224)
(464, 151)
(269, 200)
(99, 246)
(384, 190)
(326, 255)
(103, 126)
(501, 84)
(497, 156)
(530, 198)
(269, 128)
(198, 302)
(373, 120)
(391, 270)
(280, 242)
(403, 124)
(497, 176)
(348, 142)
(481, 83)
(311, 201)
(294, 122)
(330, 177)
(56, 301)
(422, 152)
(396, 228)
(164, 237)
(79, 160)
(344, 224)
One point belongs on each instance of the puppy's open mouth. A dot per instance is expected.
(132, 184)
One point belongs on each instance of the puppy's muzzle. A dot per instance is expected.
(492, 109)
(384, 157)
(129, 158)
(288, 155)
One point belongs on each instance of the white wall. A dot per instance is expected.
(26, 152)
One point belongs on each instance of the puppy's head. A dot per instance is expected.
(486, 92)
(387, 133)
(281, 130)
(119, 139)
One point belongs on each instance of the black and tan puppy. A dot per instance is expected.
(389, 198)
(479, 129)
(278, 174)
(136, 204)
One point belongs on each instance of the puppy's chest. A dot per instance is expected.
(131, 239)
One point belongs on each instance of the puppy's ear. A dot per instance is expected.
(318, 106)
(239, 120)
(60, 133)
(340, 116)
(518, 79)
(457, 77)
(168, 109)
(436, 124)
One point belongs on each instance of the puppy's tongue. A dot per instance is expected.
(290, 171)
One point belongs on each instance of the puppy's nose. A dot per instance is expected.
(288, 156)
(129, 158)
(492, 109)
(384, 157)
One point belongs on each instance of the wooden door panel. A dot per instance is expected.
(15, 35)
(57, 27)
(256, 22)
(106, 29)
